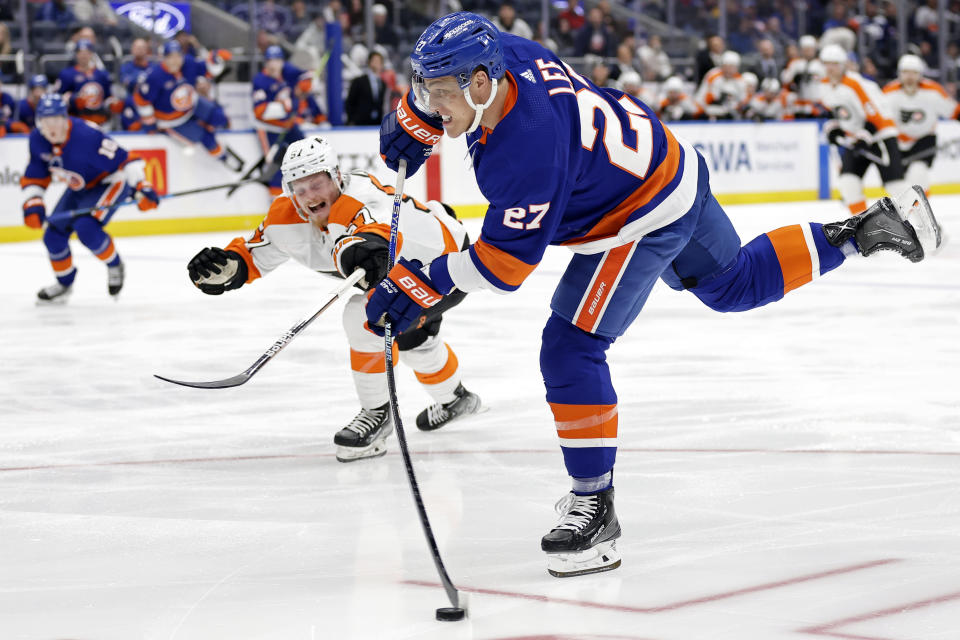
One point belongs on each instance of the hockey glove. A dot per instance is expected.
(363, 250)
(409, 134)
(214, 271)
(145, 196)
(834, 133)
(402, 296)
(34, 213)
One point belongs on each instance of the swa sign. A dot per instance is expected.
(168, 19)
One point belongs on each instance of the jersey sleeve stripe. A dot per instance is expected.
(238, 245)
(873, 114)
(794, 254)
(38, 182)
(499, 267)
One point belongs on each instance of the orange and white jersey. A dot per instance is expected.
(426, 230)
(779, 107)
(916, 115)
(802, 77)
(856, 103)
(719, 92)
(682, 107)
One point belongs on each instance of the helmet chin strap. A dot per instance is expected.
(480, 109)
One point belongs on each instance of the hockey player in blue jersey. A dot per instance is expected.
(87, 88)
(27, 107)
(167, 100)
(98, 173)
(563, 162)
(275, 113)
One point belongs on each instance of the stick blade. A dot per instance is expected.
(226, 383)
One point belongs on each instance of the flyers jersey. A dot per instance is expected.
(916, 115)
(426, 230)
(170, 97)
(858, 105)
(568, 164)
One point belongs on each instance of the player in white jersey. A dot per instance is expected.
(917, 104)
(334, 224)
(802, 79)
(724, 91)
(770, 103)
(862, 128)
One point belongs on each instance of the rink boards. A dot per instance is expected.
(748, 162)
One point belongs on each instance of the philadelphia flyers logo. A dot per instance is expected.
(907, 116)
(183, 97)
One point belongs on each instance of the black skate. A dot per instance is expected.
(435, 416)
(54, 294)
(584, 541)
(365, 436)
(115, 279)
(906, 226)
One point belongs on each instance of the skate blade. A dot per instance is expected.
(352, 454)
(599, 558)
(916, 209)
(59, 301)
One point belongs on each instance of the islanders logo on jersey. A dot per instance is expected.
(74, 180)
(183, 97)
(90, 96)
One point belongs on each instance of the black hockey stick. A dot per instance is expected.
(458, 608)
(926, 153)
(277, 346)
(864, 153)
(262, 165)
(188, 192)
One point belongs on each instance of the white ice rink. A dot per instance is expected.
(788, 473)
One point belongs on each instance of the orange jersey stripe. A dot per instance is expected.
(344, 211)
(585, 420)
(612, 222)
(793, 255)
(238, 245)
(449, 369)
(40, 182)
(602, 287)
(872, 114)
(504, 266)
(62, 265)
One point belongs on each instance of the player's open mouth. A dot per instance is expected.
(314, 208)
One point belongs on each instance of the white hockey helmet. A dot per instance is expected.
(808, 42)
(910, 62)
(833, 53)
(673, 83)
(770, 85)
(731, 58)
(307, 157)
(751, 79)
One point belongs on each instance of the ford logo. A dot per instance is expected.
(167, 21)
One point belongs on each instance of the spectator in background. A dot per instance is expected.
(8, 70)
(566, 36)
(653, 56)
(357, 16)
(56, 11)
(573, 15)
(767, 65)
(780, 39)
(508, 22)
(600, 75)
(925, 20)
(594, 38)
(383, 32)
(299, 19)
(840, 15)
(545, 40)
(314, 38)
(365, 99)
(742, 40)
(624, 63)
(94, 12)
(87, 89)
(709, 56)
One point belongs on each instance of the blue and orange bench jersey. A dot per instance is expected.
(568, 164)
(169, 97)
(273, 103)
(83, 161)
(89, 91)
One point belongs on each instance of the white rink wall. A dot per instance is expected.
(749, 162)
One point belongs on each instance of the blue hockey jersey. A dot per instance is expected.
(88, 92)
(86, 158)
(273, 103)
(568, 164)
(169, 98)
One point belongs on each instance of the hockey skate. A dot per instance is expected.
(437, 415)
(365, 436)
(54, 294)
(115, 279)
(584, 541)
(906, 226)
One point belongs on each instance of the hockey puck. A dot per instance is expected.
(450, 614)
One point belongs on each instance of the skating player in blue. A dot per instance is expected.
(275, 113)
(563, 162)
(98, 173)
(167, 100)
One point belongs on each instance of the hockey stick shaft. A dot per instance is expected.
(448, 586)
(278, 344)
(188, 192)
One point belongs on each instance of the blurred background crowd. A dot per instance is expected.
(679, 56)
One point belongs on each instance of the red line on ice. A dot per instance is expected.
(828, 628)
(767, 586)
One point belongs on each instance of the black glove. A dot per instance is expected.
(364, 250)
(214, 271)
(834, 135)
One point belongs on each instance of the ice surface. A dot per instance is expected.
(790, 472)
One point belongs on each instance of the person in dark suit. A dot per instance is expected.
(365, 99)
